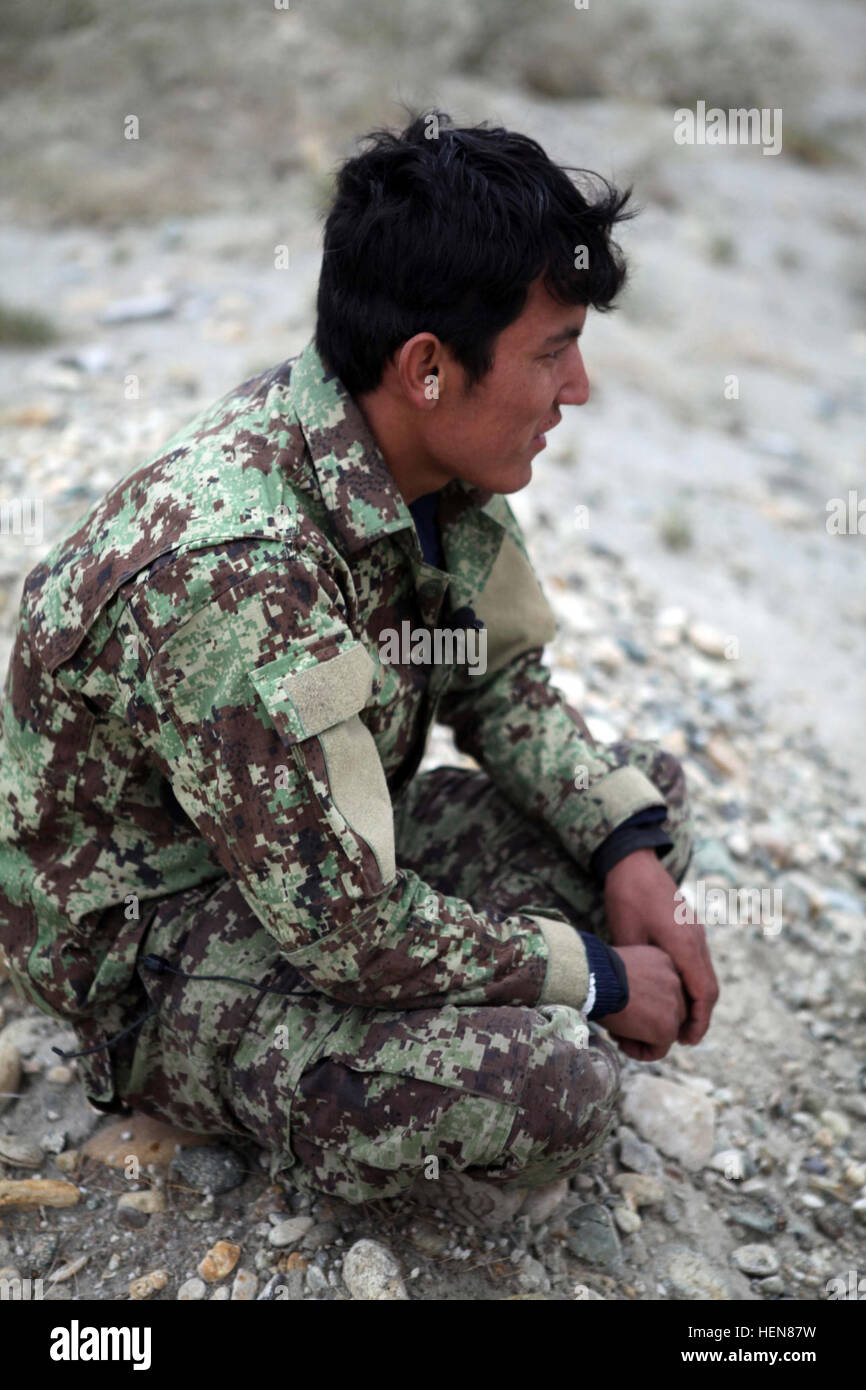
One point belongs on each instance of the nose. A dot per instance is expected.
(575, 387)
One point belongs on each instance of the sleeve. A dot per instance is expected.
(643, 831)
(254, 710)
(520, 728)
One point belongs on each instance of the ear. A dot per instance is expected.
(418, 365)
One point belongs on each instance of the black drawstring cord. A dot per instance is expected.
(159, 965)
(99, 1046)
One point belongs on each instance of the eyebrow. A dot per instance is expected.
(563, 335)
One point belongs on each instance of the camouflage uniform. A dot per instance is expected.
(204, 760)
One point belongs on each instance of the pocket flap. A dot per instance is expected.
(304, 703)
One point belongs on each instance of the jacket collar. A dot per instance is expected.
(356, 483)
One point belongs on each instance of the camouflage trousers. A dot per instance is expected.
(359, 1102)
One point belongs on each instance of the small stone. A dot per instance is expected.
(639, 1189)
(633, 1154)
(145, 306)
(691, 1275)
(38, 1192)
(244, 1287)
(533, 1277)
(371, 1272)
(192, 1291)
(838, 1124)
(627, 1219)
(758, 1260)
(19, 1153)
(724, 756)
(708, 640)
(59, 1076)
(859, 1210)
(731, 1162)
(316, 1280)
(855, 1175)
(676, 1119)
(10, 1073)
(754, 1216)
(593, 1236)
(67, 1271)
(773, 1284)
(221, 1295)
(211, 1168)
(148, 1202)
(290, 1231)
(219, 1261)
(54, 1141)
(148, 1284)
(428, 1238)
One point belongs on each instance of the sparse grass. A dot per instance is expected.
(812, 147)
(24, 327)
(675, 529)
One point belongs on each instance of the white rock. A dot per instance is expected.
(676, 1119)
(10, 1073)
(245, 1286)
(708, 639)
(192, 1291)
(758, 1260)
(731, 1162)
(627, 1219)
(370, 1271)
(289, 1232)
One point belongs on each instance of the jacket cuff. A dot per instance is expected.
(619, 795)
(567, 979)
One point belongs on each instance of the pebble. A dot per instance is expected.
(244, 1286)
(370, 1271)
(724, 757)
(634, 1154)
(21, 1154)
(59, 1076)
(211, 1168)
(731, 1162)
(754, 1216)
(428, 1238)
(838, 1124)
(692, 1276)
(68, 1271)
(592, 1236)
(316, 1280)
(708, 640)
(10, 1073)
(533, 1277)
(859, 1210)
(676, 1119)
(627, 1219)
(38, 1192)
(147, 1202)
(221, 1295)
(772, 1284)
(192, 1291)
(145, 306)
(759, 1260)
(219, 1261)
(148, 1284)
(639, 1189)
(290, 1231)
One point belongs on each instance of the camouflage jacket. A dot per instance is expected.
(196, 689)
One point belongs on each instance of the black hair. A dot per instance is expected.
(443, 230)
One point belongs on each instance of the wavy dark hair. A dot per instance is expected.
(444, 233)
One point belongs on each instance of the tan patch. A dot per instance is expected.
(568, 969)
(513, 608)
(360, 790)
(625, 791)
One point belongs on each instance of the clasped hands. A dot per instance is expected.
(672, 985)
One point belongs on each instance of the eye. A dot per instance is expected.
(555, 356)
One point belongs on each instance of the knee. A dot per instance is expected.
(569, 1104)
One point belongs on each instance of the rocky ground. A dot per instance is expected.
(737, 1168)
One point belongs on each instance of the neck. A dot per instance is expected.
(413, 471)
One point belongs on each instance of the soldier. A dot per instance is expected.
(219, 862)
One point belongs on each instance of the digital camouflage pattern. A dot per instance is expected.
(203, 757)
